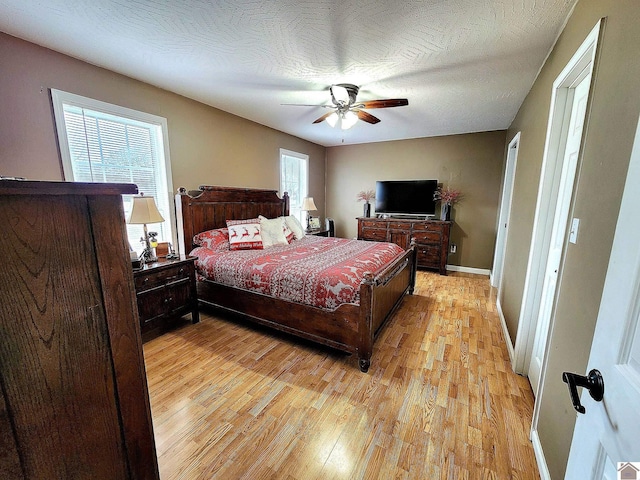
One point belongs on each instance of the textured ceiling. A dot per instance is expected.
(464, 65)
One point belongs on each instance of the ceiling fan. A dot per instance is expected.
(347, 110)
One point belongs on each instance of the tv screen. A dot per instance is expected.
(408, 197)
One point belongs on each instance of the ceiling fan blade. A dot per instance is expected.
(366, 117)
(303, 105)
(390, 102)
(339, 94)
(323, 117)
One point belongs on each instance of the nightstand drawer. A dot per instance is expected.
(164, 300)
(160, 277)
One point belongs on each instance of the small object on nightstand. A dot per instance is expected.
(314, 223)
(172, 255)
(136, 264)
(162, 249)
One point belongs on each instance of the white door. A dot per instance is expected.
(505, 213)
(560, 220)
(609, 431)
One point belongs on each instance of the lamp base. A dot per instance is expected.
(148, 256)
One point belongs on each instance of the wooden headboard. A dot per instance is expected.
(213, 206)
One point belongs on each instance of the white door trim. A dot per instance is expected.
(505, 211)
(545, 205)
(584, 58)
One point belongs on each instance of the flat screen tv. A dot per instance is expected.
(406, 197)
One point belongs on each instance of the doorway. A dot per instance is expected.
(505, 212)
(567, 126)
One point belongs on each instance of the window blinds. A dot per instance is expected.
(110, 148)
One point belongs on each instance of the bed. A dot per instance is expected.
(350, 327)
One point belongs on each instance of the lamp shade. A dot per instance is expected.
(144, 210)
(308, 205)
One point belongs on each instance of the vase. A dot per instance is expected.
(367, 210)
(445, 212)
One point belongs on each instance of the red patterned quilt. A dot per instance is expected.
(317, 271)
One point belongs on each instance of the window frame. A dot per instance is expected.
(59, 98)
(304, 188)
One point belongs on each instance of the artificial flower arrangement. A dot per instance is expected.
(366, 196)
(447, 196)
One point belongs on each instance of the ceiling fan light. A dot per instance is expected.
(349, 120)
(332, 119)
(340, 94)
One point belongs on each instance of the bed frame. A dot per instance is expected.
(350, 328)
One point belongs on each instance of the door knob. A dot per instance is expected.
(592, 382)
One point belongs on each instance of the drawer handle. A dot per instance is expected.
(182, 270)
(146, 279)
(167, 300)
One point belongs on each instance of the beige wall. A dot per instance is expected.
(605, 156)
(207, 145)
(471, 163)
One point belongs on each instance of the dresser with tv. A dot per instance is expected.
(432, 237)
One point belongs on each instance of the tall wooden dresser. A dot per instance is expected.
(73, 399)
(432, 237)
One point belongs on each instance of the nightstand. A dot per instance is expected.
(165, 291)
(318, 233)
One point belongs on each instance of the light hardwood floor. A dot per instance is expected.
(440, 399)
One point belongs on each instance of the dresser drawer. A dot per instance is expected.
(427, 237)
(429, 256)
(371, 223)
(399, 226)
(152, 279)
(374, 234)
(426, 227)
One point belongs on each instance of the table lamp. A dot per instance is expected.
(143, 211)
(308, 205)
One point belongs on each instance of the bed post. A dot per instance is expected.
(285, 204)
(180, 220)
(365, 349)
(414, 265)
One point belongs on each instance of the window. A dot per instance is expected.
(294, 179)
(100, 142)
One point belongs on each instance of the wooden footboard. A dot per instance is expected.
(380, 296)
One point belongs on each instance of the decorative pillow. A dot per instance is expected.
(288, 233)
(216, 240)
(273, 231)
(294, 225)
(245, 234)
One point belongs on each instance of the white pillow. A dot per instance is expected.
(272, 231)
(294, 224)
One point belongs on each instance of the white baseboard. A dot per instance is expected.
(505, 334)
(540, 460)
(477, 271)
